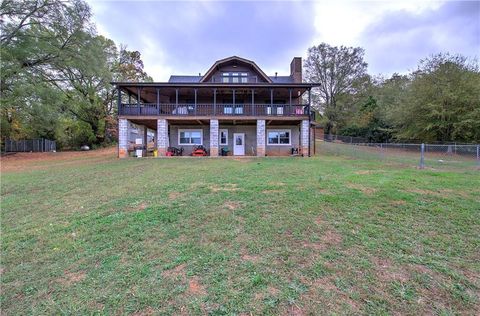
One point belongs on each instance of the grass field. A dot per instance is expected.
(91, 234)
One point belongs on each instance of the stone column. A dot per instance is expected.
(214, 138)
(304, 130)
(122, 138)
(261, 138)
(162, 137)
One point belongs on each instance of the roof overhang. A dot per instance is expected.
(215, 85)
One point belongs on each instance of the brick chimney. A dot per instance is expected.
(296, 69)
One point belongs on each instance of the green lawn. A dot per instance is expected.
(239, 237)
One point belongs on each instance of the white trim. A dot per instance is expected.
(190, 130)
(236, 147)
(280, 130)
(220, 136)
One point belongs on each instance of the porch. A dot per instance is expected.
(214, 100)
(230, 137)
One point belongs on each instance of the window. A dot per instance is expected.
(243, 77)
(279, 137)
(190, 137)
(224, 137)
(235, 77)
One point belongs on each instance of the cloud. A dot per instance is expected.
(398, 40)
(187, 37)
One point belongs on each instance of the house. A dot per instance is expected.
(233, 108)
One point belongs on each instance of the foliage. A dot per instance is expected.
(56, 70)
(442, 102)
(341, 73)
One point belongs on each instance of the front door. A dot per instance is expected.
(238, 144)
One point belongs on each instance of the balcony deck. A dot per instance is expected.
(214, 110)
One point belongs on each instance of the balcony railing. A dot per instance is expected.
(219, 109)
(234, 79)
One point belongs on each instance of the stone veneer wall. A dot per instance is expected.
(214, 138)
(162, 140)
(304, 137)
(122, 138)
(261, 138)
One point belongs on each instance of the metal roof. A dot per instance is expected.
(184, 79)
(281, 79)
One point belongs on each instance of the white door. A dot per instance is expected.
(238, 144)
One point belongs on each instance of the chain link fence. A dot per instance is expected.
(30, 145)
(433, 156)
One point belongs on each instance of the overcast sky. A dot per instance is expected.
(188, 37)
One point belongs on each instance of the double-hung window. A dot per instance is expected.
(223, 136)
(279, 137)
(190, 137)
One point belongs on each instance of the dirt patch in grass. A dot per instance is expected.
(231, 205)
(174, 195)
(145, 312)
(386, 271)
(195, 288)
(227, 187)
(251, 258)
(329, 239)
(362, 172)
(272, 191)
(309, 302)
(423, 192)
(398, 202)
(325, 191)
(70, 278)
(365, 190)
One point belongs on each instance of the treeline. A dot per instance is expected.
(438, 102)
(56, 73)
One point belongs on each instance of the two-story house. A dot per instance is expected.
(233, 107)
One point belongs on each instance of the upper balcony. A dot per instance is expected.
(214, 110)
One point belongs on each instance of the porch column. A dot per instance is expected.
(214, 138)
(304, 136)
(145, 140)
(261, 138)
(122, 138)
(162, 137)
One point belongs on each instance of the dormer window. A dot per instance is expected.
(235, 77)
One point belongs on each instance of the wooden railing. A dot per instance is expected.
(208, 109)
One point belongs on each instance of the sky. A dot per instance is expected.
(187, 37)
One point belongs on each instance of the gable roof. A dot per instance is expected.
(237, 59)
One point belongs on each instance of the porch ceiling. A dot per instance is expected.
(152, 123)
(148, 94)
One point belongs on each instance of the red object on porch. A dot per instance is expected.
(199, 151)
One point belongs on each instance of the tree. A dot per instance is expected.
(56, 73)
(442, 102)
(35, 34)
(341, 73)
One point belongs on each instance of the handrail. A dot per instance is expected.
(211, 109)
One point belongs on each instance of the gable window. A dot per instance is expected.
(278, 137)
(235, 77)
(190, 137)
(224, 137)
